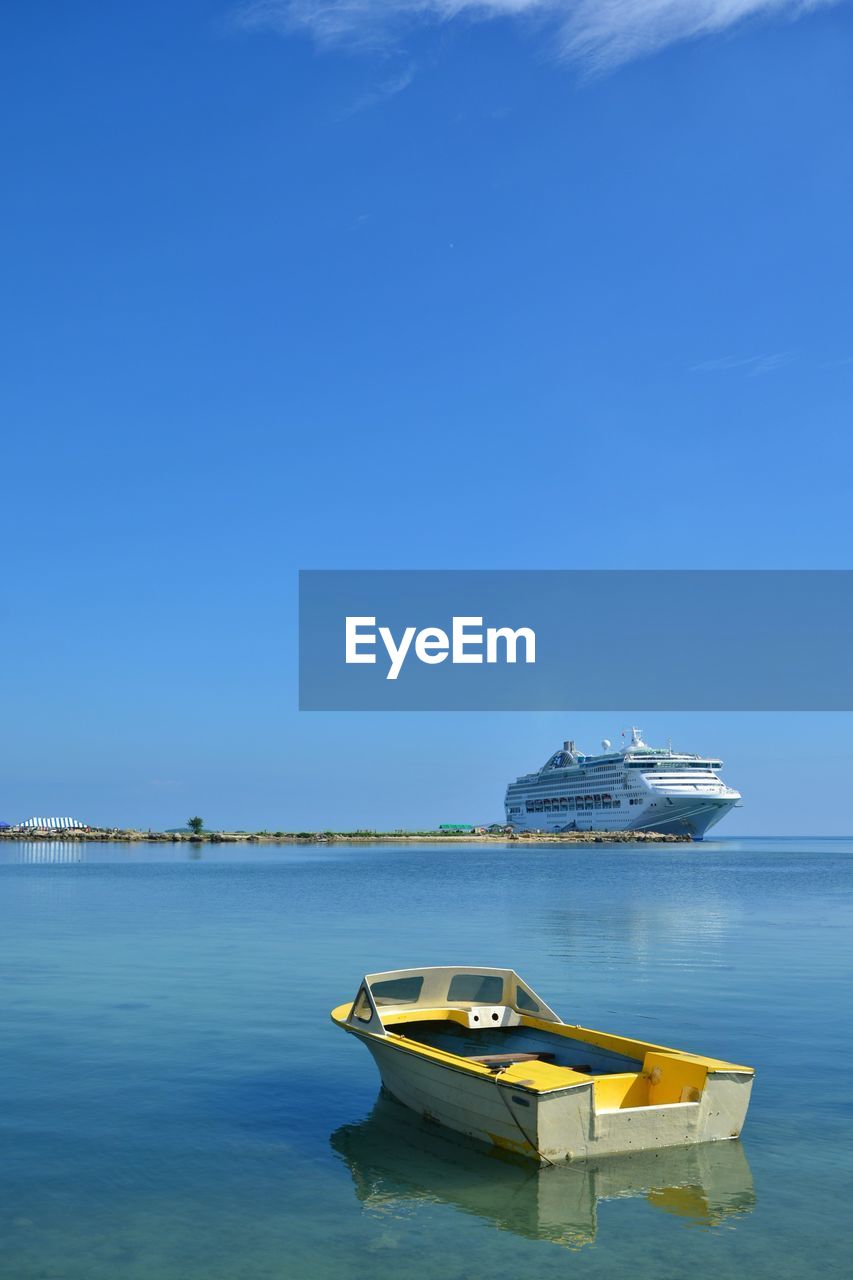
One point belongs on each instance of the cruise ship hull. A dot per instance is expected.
(685, 817)
(679, 817)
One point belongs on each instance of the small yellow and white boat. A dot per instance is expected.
(478, 1051)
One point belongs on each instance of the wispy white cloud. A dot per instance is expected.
(747, 364)
(381, 91)
(599, 33)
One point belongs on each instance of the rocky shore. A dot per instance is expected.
(349, 837)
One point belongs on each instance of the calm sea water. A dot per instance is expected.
(176, 1103)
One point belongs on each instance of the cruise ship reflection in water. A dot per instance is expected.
(396, 1158)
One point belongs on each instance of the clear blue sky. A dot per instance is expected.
(505, 292)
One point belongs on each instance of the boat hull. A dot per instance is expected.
(562, 1124)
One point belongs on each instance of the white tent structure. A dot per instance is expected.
(52, 824)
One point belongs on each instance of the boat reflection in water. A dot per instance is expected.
(395, 1157)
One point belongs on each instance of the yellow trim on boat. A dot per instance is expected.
(426, 1015)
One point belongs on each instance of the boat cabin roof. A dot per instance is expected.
(419, 992)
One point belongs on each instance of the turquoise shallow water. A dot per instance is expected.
(176, 1103)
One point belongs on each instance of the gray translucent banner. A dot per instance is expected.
(667, 640)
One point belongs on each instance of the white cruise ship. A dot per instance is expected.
(635, 788)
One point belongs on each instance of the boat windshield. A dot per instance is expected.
(439, 988)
